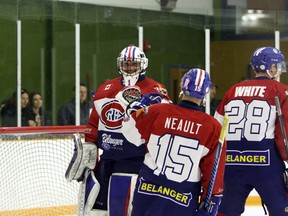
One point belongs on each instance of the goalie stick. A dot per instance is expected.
(281, 121)
(216, 162)
(82, 192)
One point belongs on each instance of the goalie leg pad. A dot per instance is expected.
(85, 156)
(98, 212)
(121, 191)
(89, 190)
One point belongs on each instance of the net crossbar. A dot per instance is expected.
(33, 161)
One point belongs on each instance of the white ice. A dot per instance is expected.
(254, 211)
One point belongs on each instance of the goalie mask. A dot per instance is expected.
(131, 63)
(265, 58)
(195, 83)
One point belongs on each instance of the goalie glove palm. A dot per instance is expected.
(128, 95)
(212, 208)
(144, 101)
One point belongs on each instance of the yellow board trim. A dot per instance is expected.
(51, 211)
(253, 201)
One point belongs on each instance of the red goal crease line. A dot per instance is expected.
(72, 209)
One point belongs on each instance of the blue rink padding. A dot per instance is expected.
(121, 189)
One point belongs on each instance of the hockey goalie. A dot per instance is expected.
(107, 180)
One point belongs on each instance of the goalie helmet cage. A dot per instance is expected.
(33, 161)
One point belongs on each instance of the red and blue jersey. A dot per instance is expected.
(255, 146)
(181, 143)
(105, 122)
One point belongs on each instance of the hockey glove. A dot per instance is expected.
(128, 95)
(212, 208)
(144, 101)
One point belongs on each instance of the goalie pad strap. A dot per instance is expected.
(85, 156)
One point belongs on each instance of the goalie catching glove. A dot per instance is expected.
(128, 95)
(85, 156)
(212, 208)
(144, 101)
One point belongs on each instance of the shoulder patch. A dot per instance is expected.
(161, 89)
(108, 86)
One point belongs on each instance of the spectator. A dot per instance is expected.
(214, 102)
(66, 113)
(9, 110)
(37, 116)
(255, 146)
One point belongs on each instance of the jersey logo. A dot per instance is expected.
(164, 192)
(112, 115)
(109, 142)
(107, 87)
(248, 158)
(258, 51)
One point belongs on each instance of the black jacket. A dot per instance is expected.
(66, 113)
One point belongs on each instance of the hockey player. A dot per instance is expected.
(181, 143)
(255, 148)
(104, 131)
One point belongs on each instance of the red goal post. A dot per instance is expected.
(33, 161)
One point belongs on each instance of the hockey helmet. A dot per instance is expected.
(131, 63)
(195, 83)
(263, 58)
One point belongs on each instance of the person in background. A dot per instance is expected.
(37, 115)
(255, 145)
(181, 143)
(104, 130)
(66, 113)
(214, 102)
(9, 110)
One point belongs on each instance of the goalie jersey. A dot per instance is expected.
(255, 144)
(105, 122)
(181, 143)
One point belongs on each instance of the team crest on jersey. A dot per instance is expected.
(112, 115)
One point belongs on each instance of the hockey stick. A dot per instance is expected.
(281, 121)
(82, 192)
(216, 162)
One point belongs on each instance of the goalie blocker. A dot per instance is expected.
(85, 156)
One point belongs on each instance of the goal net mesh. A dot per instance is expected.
(33, 162)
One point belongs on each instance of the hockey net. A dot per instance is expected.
(33, 161)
